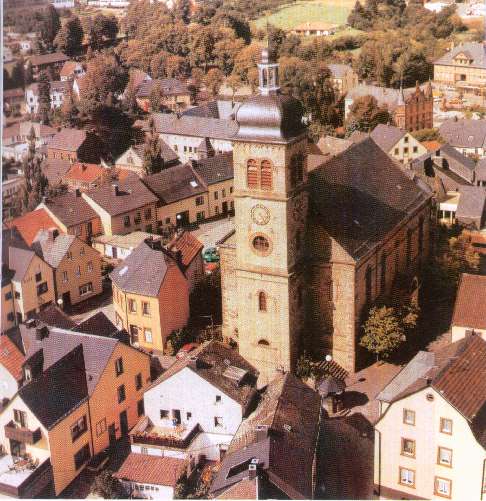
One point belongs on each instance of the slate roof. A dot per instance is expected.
(132, 194)
(480, 170)
(62, 86)
(470, 306)
(387, 136)
(19, 261)
(328, 145)
(151, 469)
(465, 133)
(98, 324)
(128, 241)
(55, 317)
(475, 50)
(244, 489)
(59, 390)
(166, 152)
(52, 250)
(175, 183)
(55, 169)
(97, 349)
(472, 204)
(384, 96)
(195, 126)
(55, 57)
(360, 195)
(222, 108)
(291, 411)
(143, 271)
(169, 86)
(70, 209)
(215, 169)
(31, 223)
(11, 357)
(457, 372)
(208, 362)
(24, 128)
(68, 139)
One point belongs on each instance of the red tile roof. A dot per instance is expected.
(11, 357)
(85, 172)
(29, 224)
(147, 469)
(432, 145)
(470, 307)
(244, 489)
(189, 246)
(68, 68)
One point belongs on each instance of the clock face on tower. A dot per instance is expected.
(260, 214)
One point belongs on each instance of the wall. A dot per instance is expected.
(188, 204)
(7, 307)
(186, 146)
(459, 332)
(466, 472)
(216, 206)
(407, 149)
(8, 384)
(451, 75)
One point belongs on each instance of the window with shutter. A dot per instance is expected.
(266, 175)
(252, 174)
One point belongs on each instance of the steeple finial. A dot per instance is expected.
(268, 72)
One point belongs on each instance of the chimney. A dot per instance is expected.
(116, 189)
(41, 332)
(261, 431)
(253, 469)
(154, 244)
(78, 192)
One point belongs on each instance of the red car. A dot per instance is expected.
(187, 348)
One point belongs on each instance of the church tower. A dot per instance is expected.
(270, 169)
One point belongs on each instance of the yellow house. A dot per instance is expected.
(150, 295)
(76, 265)
(92, 404)
(429, 439)
(8, 310)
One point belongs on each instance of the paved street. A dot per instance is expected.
(212, 232)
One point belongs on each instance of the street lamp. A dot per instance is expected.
(60, 302)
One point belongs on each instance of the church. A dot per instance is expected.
(311, 250)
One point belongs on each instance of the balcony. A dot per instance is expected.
(21, 434)
(24, 478)
(178, 436)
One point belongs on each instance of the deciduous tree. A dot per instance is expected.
(70, 37)
(49, 26)
(44, 93)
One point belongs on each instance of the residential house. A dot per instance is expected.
(42, 62)
(57, 91)
(465, 207)
(223, 109)
(29, 225)
(315, 28)
(175, 94)
(150, 295)
(75, 145)
(16, 138)
(343, 77)
(76, 266)
(124, 206)
(410, 109)
(12, 184)
(73, 215)
(193, 410)
(118, 247)
(14, 101)
(133, 158)
(72, 70)
(463, 68)
(11, 374)
(429, 438)
(8, 308)
(325, 148)
(185, 133)
(189, 248)
(84, 176)
(273, 453)
(29, 285)
(466, 136)
(470, 307)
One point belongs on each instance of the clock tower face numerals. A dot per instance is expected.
(260, 214)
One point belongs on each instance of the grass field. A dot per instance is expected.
(289, 16)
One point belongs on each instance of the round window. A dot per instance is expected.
(261, 245)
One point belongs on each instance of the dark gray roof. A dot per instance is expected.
(132, 194)
(68, 139)
(55, 57)
(205, 148)
(16, 255)
(52, 250)
(210, 361)
(59, 390)
(291, 412)
(384, 96)
(481, 170)
(474, 50)
(464, 133)
(360, 195)
(222, 109)
(195, 126)
(19, 261)
(55, 317)
(70, 209)
(143, 271)
(387, 136)
(472, 205)
(97, 349)
(55, 168)
(98, 324)
(63, 86)
(175, 183)
(215, 169)
(166, 152)
(169, 87)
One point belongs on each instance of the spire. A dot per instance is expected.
(268, 72)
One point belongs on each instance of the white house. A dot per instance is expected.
(15, 138)
(58, 90)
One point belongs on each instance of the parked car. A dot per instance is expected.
(211, 255)
(187, 348)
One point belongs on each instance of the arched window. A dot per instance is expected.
(261, 244)
(266, 175)
(262, 301)
(296, 169)
(263, 342)
(252, 174)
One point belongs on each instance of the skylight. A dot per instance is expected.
(193, 184)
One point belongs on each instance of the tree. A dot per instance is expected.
(182, 10)
(179, 338)
(18, 74)
(36, 183)
(383, 333)
(49, 25)
(104, 29)
(44, 91)
(107, 486)
(413, 67)
(152, 159)
(69, 110)
(130, 96)
(226, 50)
(213, 80)
(70, 37)
(156, 97)
(359, 18)
(365, 115)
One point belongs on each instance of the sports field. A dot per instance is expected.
(289, 16)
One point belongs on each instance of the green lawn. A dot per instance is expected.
(289, 16)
